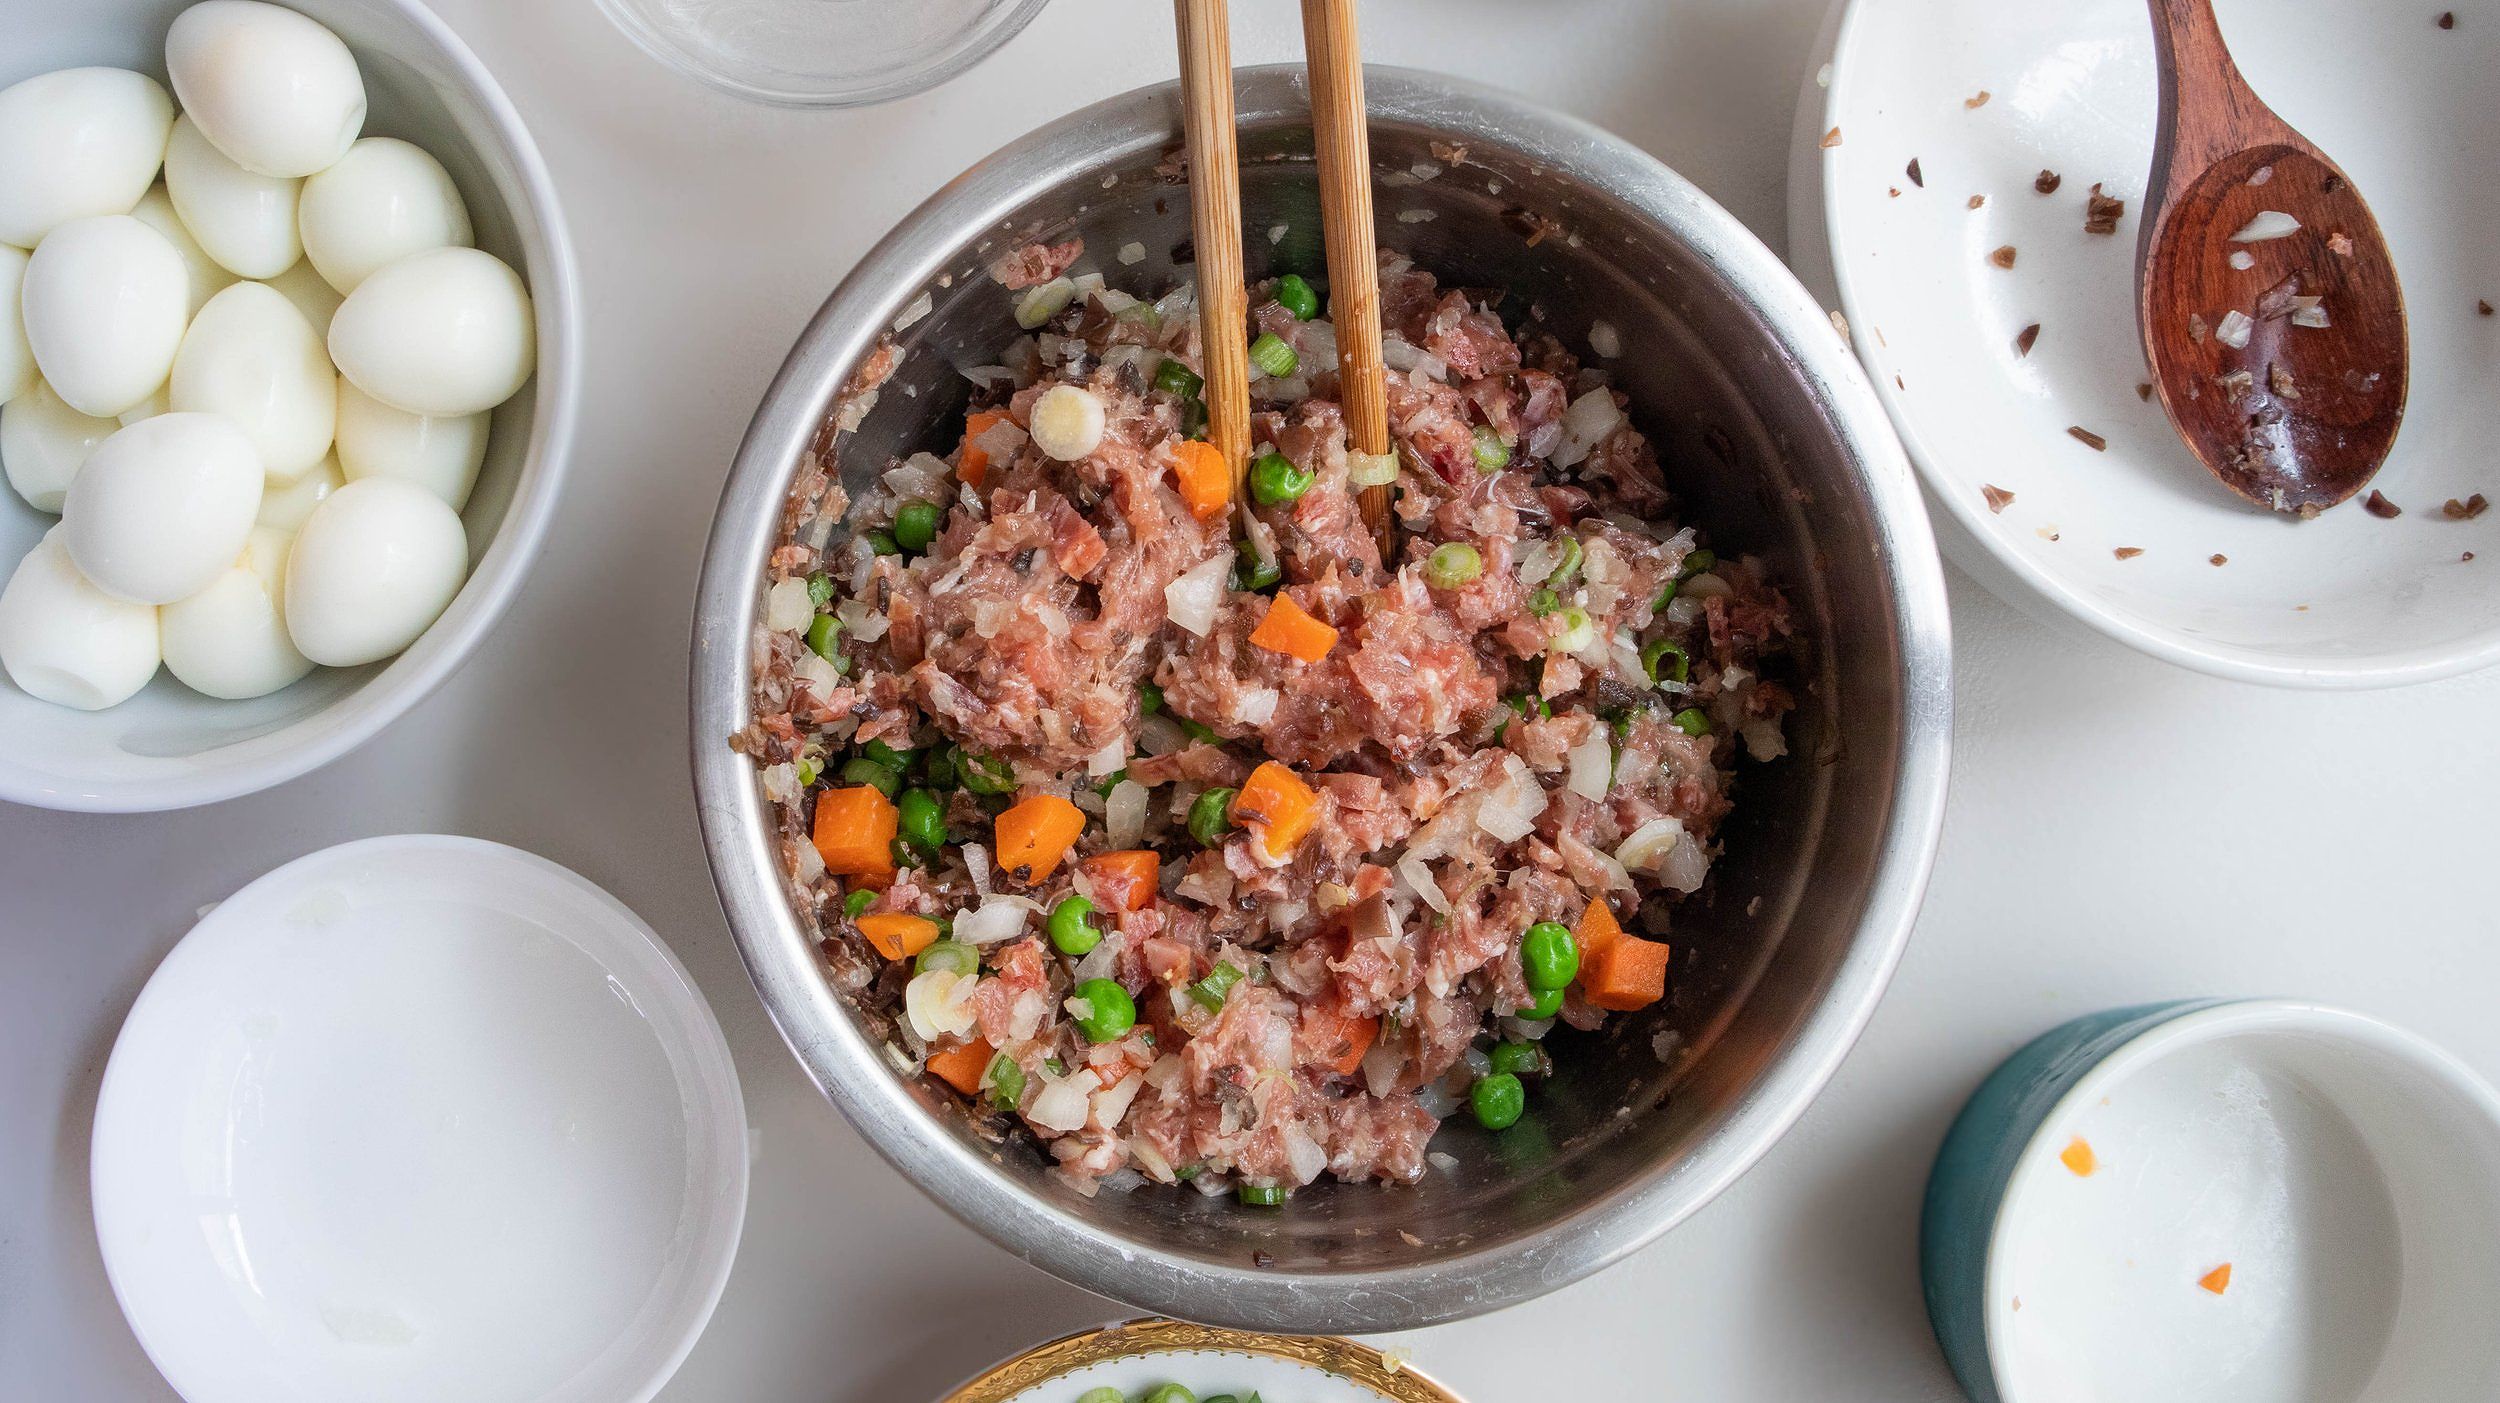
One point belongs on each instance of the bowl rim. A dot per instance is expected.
(1815, 218)
(2195, 1023)
(919, 77)
(495, 576)
(847, 1067)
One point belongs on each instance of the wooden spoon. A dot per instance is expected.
(1342, 135)
(2291, 415)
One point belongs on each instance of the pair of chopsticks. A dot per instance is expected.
(1344, 143)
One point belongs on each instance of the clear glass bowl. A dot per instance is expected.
(820, 53)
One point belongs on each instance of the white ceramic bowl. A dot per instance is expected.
(1211, 1362)
(170, 747)
(419, 1118)
(2346, 600)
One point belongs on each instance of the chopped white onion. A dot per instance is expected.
(2243, 260)
(787, 609)
(1193, 599)
(1161, 735)
(1604, 340)
(977, 866)
(1684, 866)
(1132, 253)
(1509, 811)
(1763, 740)
(1001, 440)
(1124, 814)
(1109, 759)
(1303, 1152)
(1706, 585)
(2309, 311)
(1064, 1101)
(1587, 423)
(816, 674)
(939, 1004)
(1002, 917)
(1592, 765)
(1398, 354)
(1536, 560)
(914, 310)
(1112, 1102)
(1418, 877)
(781, 782)
(1649, 843)
(2269, 224)
(863, 622)
(2233, 329)
(1257, 706)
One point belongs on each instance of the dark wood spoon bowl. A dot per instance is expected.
(2296, 416)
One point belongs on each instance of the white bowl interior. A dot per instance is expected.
(170, 746)
(2347, 1173)
(419, 1118)
(2345, 599)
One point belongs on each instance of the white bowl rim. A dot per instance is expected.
(2324, 672)
(707, 1052)
(494, 578)
(2192, 1027)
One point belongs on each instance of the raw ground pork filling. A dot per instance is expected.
(1240, 863)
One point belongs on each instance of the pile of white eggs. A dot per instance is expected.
(256, 390)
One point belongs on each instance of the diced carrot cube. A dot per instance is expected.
(1625, 973)
(1204, 478)
(2218, 1280)
(963, 1067)
(1126, 881)
(1290, 629)
(2078, 1157)
(1598, 927)
(1035, 834)
(855, 831)
(1275, 804)
(898, 935)
(972, 464)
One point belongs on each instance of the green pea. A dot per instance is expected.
(824, 635)
(951, 955)
(1297, 297)
(1498, 1101)
(1699, 562)
(916, 525)
(1174, 378)
(859, 769)
(1453, 564)
(1549, 955)
(1210, 992)
(857, 903)
(1655, 650)
(1548, 1003)
(1518, 1059)
(1692, 722)
(820, 589)
(1211, 816)
(1110, 1011)
(882, 542)
(1262, 1195)
(1149, 699)
(886, 755)
(1072, 929)
(922, 820)
(1492, 455)
(1275, 481)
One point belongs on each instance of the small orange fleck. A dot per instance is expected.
(2077, 1156)
(2218, 1280)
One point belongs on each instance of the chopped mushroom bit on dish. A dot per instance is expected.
(1998, 498)
(2047, 182)
(2088, 438)
(2024, 339)
(2002, 256)
(1172, 828)
(2376, 504)
(2466, 510)
(2101, 213)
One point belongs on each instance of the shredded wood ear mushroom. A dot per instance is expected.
(2047, 181)
(2088, 438)
(2377, 505)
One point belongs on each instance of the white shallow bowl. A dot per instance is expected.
(413, 1119)
(2346, 1171)
(2346, 600)
(1140, 1354)
(170, 747)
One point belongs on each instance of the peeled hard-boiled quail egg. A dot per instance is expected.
(374, 566)
(250, 357)
(317, 300)
(162, 506)
(244, 221)
(104, 303)
(17, 359)
(384, 200)
(230, 639)
(276, 91)
(67, 642)
(447, 331)
(438, 453)
(208, 277)
(44, 442)
(77, 142)
(287, 505)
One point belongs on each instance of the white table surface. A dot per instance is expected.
(2119, 830)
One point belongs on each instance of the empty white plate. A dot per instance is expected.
(2137, 541)
(419, 1118)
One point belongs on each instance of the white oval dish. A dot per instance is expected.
(418, 1118)
(1136, 1356)
(2346, 1171)
(2346, 600)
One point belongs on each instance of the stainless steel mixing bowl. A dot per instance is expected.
(1773, 438)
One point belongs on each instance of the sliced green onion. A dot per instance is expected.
(1044, 302)
(1568, 564)
(1262, 1195)
(1006, 1083)
(1057, 1067)
(905, 855)
(1193, 418)
(1167, 1393)
(1697, 563)
(1211, 991)
(820, 589)
(886, 755)
(987, 775)
(1252, 570)
(1658, 649)
(1102, 1395)
(1578, 631)
(1272, 356)
(1371, 469)
(1211, 816)
(1692, 722)
(951, 955)
(1174, 378)
(1142, 313)
(883, 543)
(824, 636)
(859, 769)
(1492, 455)
(1109, 782)
(809, 767)
(1275, 481)
(1149, 699)
(1452, 564)
(1296, 296)
(1543, 601)
(937, 767)
(857, 903)
(1199, 731)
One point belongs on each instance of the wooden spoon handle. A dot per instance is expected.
(1343, 139)
(1215, 224)
(2207, 110)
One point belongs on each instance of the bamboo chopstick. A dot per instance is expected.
(1343, 136)
(1215, 226)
